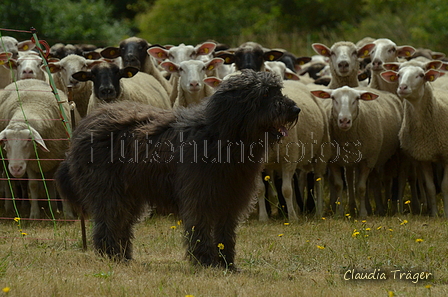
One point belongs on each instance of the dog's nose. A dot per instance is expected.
(296, 109)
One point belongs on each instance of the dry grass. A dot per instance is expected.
(276, 259)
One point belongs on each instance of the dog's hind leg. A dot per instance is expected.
(113, 229)
(287, 175)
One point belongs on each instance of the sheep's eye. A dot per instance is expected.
(170, 56)
(421, 75)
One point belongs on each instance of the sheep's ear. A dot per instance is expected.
(291, 75)
(38, 139)
(12, 63)
(205, 48)
(391, 66)
(128, 72)
(170, 66)
(405, 51)
(110, 52)
(437, 55)
(321, 94)
(389, 76)
(213, 64)
(4, 57)
(54, 67)
(363, 75)
(433, 65)
(368, 96)
(228, 57)
(158, 53)
(432, 75)
(82, 75)
(26, 45)
(302, 61)
(213, 82)
(444, 66)
(92, 55)
(321, 49)
(272, 55)
(364, 51)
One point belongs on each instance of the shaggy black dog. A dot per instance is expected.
(200, 163)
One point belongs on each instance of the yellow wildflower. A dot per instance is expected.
(280, 235)
(338, 203)
(419, 240)
(220, 246)
(363, 221)
(320, 247)
(391, 294)
(323, 218)
(407, 202)
(173, 227)
(189, 295)
(286, 224)
(391, 230)
(179, 222)
(16, 219)
(428, 286)
(6, 289)
(319, 179)
(367, 229)
(379, 228)
(355, 233)
(267, 178)
(23, 233)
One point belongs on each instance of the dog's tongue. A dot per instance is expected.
(283, 131)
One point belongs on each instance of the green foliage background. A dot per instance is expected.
(290, 24)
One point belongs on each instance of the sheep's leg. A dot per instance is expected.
(287, 175)
(445, 190)
(364, 172)
(33, 184)
(430, 187)
(350, 178)
(338, 185)
(262, 211)
(319, 196)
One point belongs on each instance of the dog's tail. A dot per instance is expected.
(66, 188)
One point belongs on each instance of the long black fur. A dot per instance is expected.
(199, 163)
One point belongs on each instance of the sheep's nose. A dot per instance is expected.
(343, 64)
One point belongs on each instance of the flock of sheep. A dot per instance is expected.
(372, 118)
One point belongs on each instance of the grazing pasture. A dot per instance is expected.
(307, 258)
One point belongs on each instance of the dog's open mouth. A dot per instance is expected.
(281, 131)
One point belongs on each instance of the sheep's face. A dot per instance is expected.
(69, 66)
(192, 74)
(410, 80)
(249, 56)
(19, 148)
(29, 66)
(9, 44)
(344, 59)
(385, 51)
(133, 52)
(346, 102)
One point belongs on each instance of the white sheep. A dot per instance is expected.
(133, 52)
(62, 74)
(108, 86)
(305, 147)
(281, 69)
(31, 112)
(343, 59)
(10, 45)
(364, 127)
(385, 51)
(191, 88)
(424, 128)
(178, 54)
(28, 65)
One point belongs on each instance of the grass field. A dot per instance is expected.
(312, 257)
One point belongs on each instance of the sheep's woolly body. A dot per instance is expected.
(185, 99)
(150, 68)
(373, 135)
(81, 94)
(305, 148)
(142, 88)
(424, 129)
